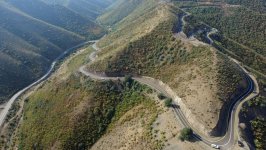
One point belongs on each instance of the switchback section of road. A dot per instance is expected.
(225, 142)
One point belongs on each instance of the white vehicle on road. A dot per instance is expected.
(215, 146)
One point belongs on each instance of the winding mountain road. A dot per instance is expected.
(224, 142)
(8, 105)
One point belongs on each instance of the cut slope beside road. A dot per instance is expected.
(226, 141)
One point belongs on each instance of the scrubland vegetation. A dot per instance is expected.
(33, 34)
(80, 110)
(158, 54)
(241, 26)
(258, 126)
(186, 134)
(75, 112)
(253, 115)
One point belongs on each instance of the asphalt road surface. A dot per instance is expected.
(225, 142)
(8, 105)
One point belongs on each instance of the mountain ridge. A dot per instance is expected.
(35, 37)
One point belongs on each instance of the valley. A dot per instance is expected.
(161, 70)
(31, 39)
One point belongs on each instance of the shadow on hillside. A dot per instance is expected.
(225, 112)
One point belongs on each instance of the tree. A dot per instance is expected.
(128, 80)
(186, 134)
(168, 102)
(161, 96)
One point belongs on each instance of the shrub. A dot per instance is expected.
(186, 134)
(168, 102)
(128, 80)
(161, 96)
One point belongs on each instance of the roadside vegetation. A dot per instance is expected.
(31, 39)
(159, 54)
(240, 25)
(253, 116)
(258, 126)
(186, 134)
(239, 28)
(80, 110)
(168, 102)
(75, 112)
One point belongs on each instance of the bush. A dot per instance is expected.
(128, 79)
(161, 96)
(186, 134)
(168, 102)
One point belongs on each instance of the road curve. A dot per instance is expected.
(8, 105)
(225, 142)
(228, 140)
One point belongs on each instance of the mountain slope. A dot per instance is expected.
(86, 8)
(79, 119)
(113, 16)
(72, 111)
(241, 25)
(147, 46)
(32, 35)
(57, 15)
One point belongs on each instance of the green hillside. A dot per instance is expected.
(86, 8)
(74, 111)
(59, 16)
(147, 47)
(241, 32)
(120, 9)
(241, 25)
(80, 110)
(33, 34)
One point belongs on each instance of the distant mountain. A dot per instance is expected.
(114, 15)
(57, 15)
(33, 33)
(87, 8)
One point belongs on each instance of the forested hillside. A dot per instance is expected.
(33, 33)
(241, 26)
(143, 43)
(181, 49)
(256, 5)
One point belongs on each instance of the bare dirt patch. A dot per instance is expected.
(129, 133)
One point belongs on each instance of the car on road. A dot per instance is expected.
(215, 146)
